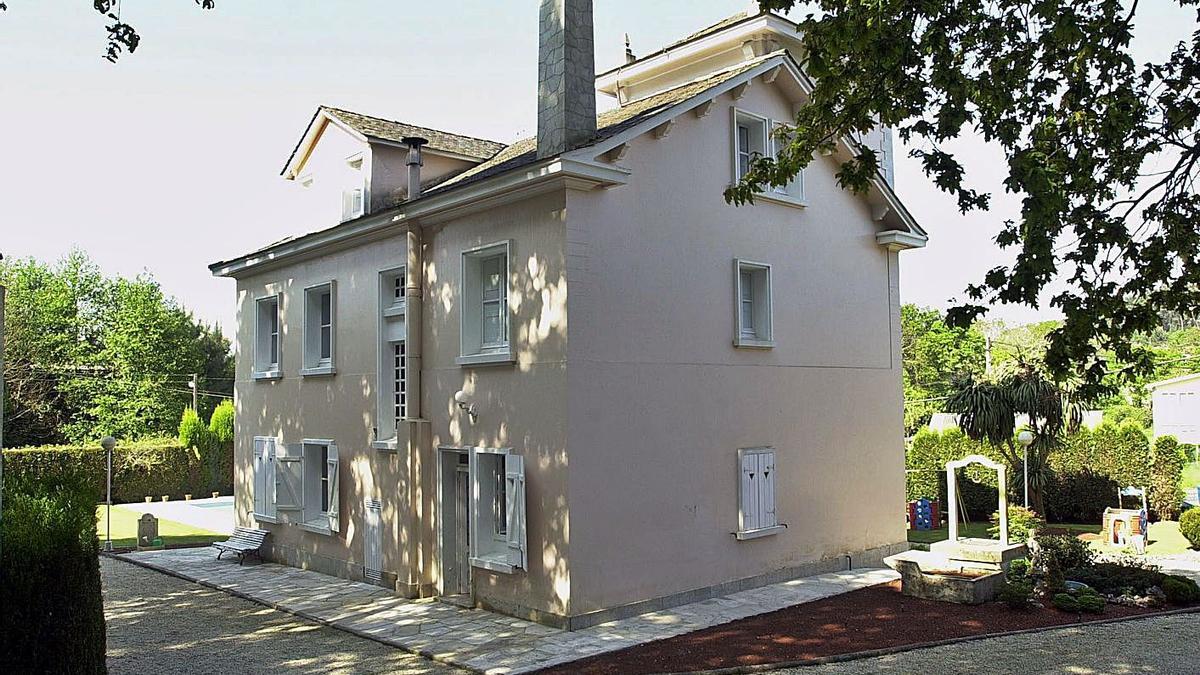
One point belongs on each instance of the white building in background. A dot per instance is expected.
(1176, 407)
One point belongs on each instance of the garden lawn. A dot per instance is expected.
(1165, 539)
(980, 531)
(124, 529)
(1191, 476)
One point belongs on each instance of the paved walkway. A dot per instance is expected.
(477, 639)
(1162, 645)
(160, 624)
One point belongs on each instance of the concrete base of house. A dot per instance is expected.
(867, 558)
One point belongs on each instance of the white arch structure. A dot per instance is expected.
(952, 493)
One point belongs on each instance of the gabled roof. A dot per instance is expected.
(608, 124)
(371, 128)
(1174, 380)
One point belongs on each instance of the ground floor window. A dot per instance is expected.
(756, 493)
(498, 510)
(307, 485)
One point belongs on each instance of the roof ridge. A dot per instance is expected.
(410, 124)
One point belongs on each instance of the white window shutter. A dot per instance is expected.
(766, 490)
(332, 461)
(268, 482)
(514, 485)
(289, 478)
(749, 491)
(260, 472)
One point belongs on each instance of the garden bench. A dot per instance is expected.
(244, 541)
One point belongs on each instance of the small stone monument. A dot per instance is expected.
(147, 531)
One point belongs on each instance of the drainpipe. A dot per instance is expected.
(414, 162)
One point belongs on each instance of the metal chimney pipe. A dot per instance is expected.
(414, 144)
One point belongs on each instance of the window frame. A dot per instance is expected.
(314, 364)
(473, 351)
(505, 553)
(762, 300)
(322, 514)
(391, 331)
(360, 189)
(767, 127)
(263, 369)
(744, 533)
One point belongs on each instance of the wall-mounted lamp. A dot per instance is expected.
(464, 404)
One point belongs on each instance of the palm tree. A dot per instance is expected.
(988, 410)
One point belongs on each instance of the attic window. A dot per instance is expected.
(306, 181)
(355, 162)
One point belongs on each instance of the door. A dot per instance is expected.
(462, 524)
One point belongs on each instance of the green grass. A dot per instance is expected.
(980, 531)
(124, 530)
(1191, 476)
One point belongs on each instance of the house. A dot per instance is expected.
(562, 378)
(1175, 406)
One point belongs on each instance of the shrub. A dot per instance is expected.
(1189, 526)
(1018, 570)
(52, 614)
(1016, 594)
(155, 467)
(1118, 578)
(1022, 523)
(1086, 600)
(1078, 497)
(220, 425)
(1180, 590)
(1121, 413)
(1166, 471)
(1068, 551)
(192, 432)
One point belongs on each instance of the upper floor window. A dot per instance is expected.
(266, 339)
(756, 136)
(393, 356)
(484, 314)
(752, 283)
(354, 197)
(319, 334)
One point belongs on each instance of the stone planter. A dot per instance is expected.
(216, 494)
(149, 499)
(166, 497)
(187, 498)
(934, 577)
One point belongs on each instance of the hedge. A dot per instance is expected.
(142, 469)
(51, 612)
(1083, 476)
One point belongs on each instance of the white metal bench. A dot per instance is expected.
(244, 541)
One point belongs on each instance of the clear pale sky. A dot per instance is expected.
(170, 159)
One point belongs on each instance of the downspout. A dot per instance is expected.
(420, 464)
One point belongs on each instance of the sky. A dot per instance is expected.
(170, 159)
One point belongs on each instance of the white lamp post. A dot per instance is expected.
(1025, 438)
(108, 443)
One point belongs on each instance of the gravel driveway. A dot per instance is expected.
(1162, 645)
(160, 624)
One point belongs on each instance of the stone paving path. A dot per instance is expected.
(477, 639)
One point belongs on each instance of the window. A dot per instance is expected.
(319, 307)
(484, 314)
(752, 283)
(306, 485)
(306, 181)
(266, 343)
(756, 493)
(354, 197)
(393, 358)
(754, 137)
(497, 510)
(264, 479)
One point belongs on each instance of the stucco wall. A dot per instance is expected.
(331, 176)
(660, 400)
(389, 173)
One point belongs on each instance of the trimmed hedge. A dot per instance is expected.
(52, 611)
(1084, 475)
(143, 469)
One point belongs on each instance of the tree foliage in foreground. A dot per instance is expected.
(122, 37)
(87, 355)
(1102, 150)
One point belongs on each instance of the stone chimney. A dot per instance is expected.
(566, 76)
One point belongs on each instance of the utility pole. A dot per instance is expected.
(195, 385)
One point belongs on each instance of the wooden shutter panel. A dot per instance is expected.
(514, 485)
(289, 478)
(749, 492)
(332, 462)
(766, 489)
(260, 473)
(269, 480)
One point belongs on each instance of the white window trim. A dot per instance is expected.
(476, 354)
(496, 562)
(758, 532)
(364, 186)
(758, 342)
(390, 313)
(313, 524)
(769, 125)
(316, 368)
(276, 372)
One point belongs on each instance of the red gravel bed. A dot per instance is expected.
(867, 619)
